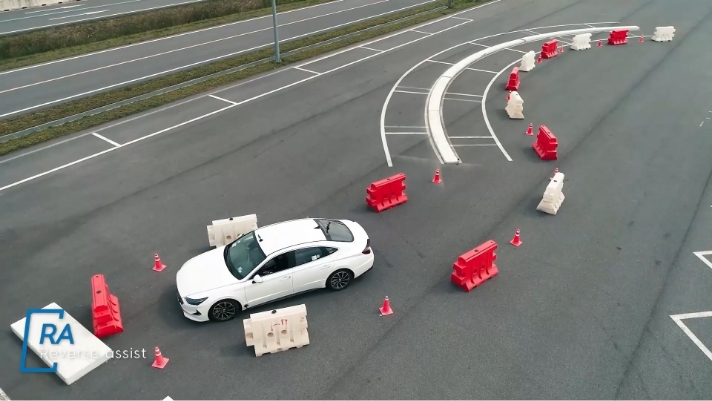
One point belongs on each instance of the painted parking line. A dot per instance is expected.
(397, 85)
(4, 396)
(256, 97)
(678, 319)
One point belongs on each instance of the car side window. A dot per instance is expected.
(307, 255)
(277, 264)
(325, 251)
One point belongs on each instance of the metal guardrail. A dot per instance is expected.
(195, 81)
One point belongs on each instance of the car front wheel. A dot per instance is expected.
(339, 280)
(224, 310)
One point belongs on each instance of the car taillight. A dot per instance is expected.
(367, 249)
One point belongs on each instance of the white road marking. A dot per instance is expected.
(678, 320)
(475, 144)
(702, 123)
(34, 177)
(153, 40)
(103, 138)
(79, 15)
(424, 33)
(103, 16)
(470, 137)
(466, 19)
(462, 94)
(305, 70)
(406, 133)
(472, 42)
(462, 100)
(48, 13)
(41, 11)
(468, 68)
(224, 100)
(484, 110)
(413, 93)
(373, 50)
(177, 50)
(405, 126)
(702, 257)
(3, 396)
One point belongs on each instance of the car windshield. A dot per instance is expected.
(243, 255)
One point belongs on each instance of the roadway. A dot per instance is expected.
(31, 88)
(581, 310)
(45, 17)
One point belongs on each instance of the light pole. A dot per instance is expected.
(277, 59)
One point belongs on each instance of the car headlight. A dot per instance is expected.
(195, 302)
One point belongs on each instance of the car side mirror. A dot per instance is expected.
(257, 279)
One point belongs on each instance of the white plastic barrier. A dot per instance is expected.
(581, 42)
(664, 34)
(227, 230)
(73, 360)
(553, 195)
(277, 330)
(528, 63)
(515, 106)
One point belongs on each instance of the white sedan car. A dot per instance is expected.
(271, 263)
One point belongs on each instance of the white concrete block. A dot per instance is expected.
(73, 360)
(581, 42)
(168, 399)
(224, 231)
(277, 330)
(515, 106)
(663, 34)
(553, 195)
(528, 62)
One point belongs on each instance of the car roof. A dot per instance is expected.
(288, 233)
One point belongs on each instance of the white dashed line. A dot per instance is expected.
(106, 139)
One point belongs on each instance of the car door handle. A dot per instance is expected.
(326, 266)
(286, 278)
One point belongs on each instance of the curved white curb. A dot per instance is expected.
(433, 108)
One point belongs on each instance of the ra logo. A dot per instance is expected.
(50, 332)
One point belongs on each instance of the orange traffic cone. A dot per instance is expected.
(386, 308)
(538, 60)
(556, 170)
(561, 49)
(640, 39)
(437, 179)
(160, 361)
(530, 130)
(516, 241)
(157, 264)
(599, 44)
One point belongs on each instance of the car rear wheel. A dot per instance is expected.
(339, 280)
(224, 310)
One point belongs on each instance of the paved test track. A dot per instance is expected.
(581, 310)
(28, 89)
(68, 13)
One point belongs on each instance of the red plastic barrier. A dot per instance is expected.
(105, 311)
(387, 193)
(513, 83)
(546, 144)
(550, 49)
(475, 267)
(618, 37)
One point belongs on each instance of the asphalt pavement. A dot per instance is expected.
(581, 310)
(28, 89)
(71, 12)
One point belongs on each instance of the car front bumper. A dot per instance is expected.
(195, 313)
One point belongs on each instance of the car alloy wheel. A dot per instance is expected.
(224, 310)
(340, 280)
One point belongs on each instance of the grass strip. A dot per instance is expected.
(54, 43)
(93, 102)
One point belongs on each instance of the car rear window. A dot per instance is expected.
(335, 230)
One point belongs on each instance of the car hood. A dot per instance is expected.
(204, 272)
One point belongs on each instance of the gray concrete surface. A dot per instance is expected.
(71, 12)
(28, 89)
(581, 310)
